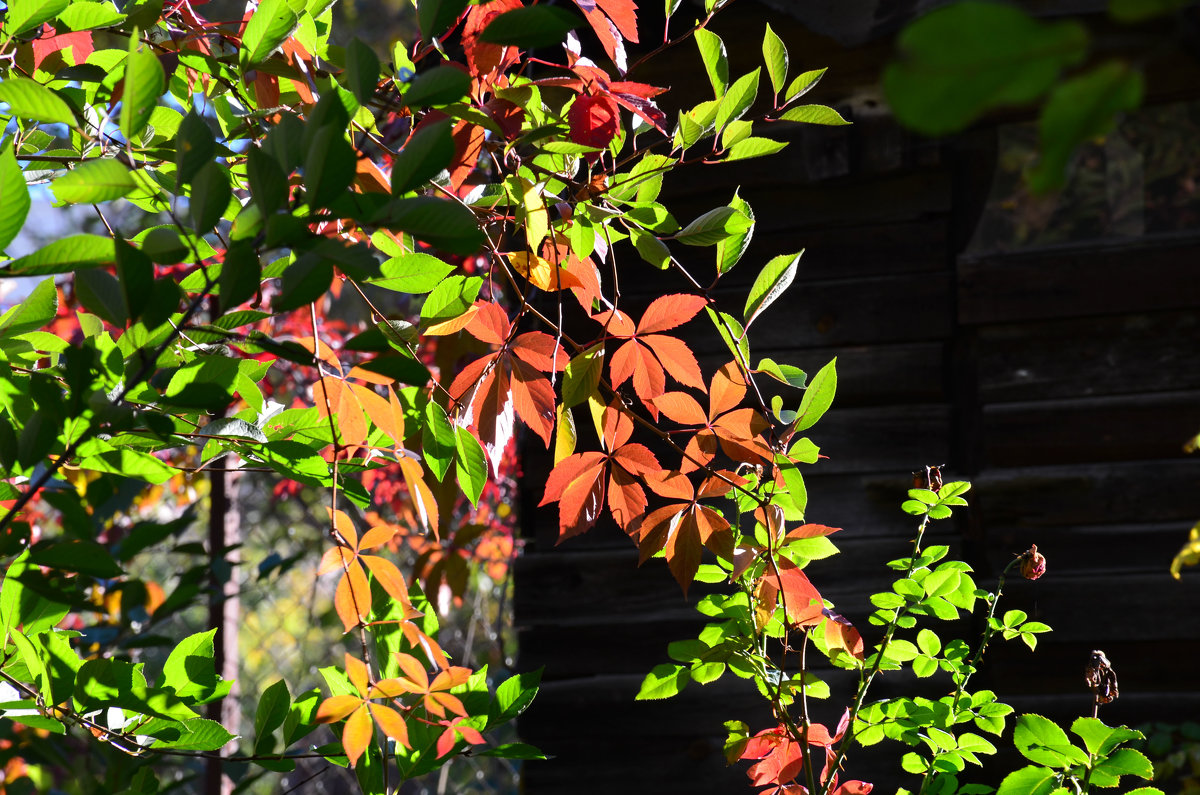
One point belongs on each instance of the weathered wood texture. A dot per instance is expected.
(1061, 382)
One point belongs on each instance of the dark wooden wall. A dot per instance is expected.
(1061, 382)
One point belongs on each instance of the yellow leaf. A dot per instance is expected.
(537, 217)
(565, 436)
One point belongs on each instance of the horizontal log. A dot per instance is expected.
(1077, 281)
(1090, 430)
(1089, 494)
(1085, 357)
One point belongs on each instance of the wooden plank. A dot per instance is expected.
(1091, 494)
(1079, 280)
(1089, 356)
(1088, 430)
(886, 439)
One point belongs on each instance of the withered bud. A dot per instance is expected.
(1100, 677)
(1033, 563)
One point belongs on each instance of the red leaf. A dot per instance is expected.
(623, 13)
(812, 531)
(581, 503)
(594, 120)
(484, 58)
(804, 604)
(608, 33)
(541, 351)
(49, 42)
(533, 399)
(626, 498)
(468, 143)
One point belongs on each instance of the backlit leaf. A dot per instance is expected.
(15, 206)
(145, 82)
(775, 277)
(98, 180)
(29, 99)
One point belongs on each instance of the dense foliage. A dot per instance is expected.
(481, 207)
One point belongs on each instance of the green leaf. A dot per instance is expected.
(25, 15)
(714, 226)
(100, 293)
(270, 713)
(241, 275)
(129, 463)
(412, 273)
(1029, 781)
(65, 255)
(731, 249)
(775, 277)
(650, 248)
(513, 696)
(439, 442)
(304, 281)
(738, 99)
(783, 373)
(804, 83)
(775, 55)
(210, 196)
(434, 16)
(716, 63)
(929, 642)
(582, 376)
(445, 225)
(731, 332)
(470, 464)
(750, 148)
(29, 99)
(268, 28)
(664, 681)
(813, 114)
(39, 308)
(1078, 110)
(817, 397)
(440, 85)
(89, 16)
(428, 152)
(531, 27)
(1041, 740)
(83, 557)
(1126, 762)
(1100, 739)
(512, 751)
(197, 734)
(362, 70)
(15, 206)
(194, 147)
(145, 82)
(329, 166)
(190, 670)
(135, 274)
(962, 60)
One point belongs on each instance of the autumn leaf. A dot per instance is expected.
(491, 389)
(803, 604)
(361, 713)
(582, 481)
(648, 356)
(738, 432)
(612, 21)
(352, 598)
(841, 636)
(594, 120)
(435, 694)
(683, 529)
(453, 730)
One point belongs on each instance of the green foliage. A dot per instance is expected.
(1060, 766)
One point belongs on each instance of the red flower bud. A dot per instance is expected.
(1033, 563)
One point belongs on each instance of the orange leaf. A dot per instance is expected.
(388, 576)
(490, 323)
(352, 599)
(542, 273)
(669, 311)
(392, 724)
(344, 527)
(422, 498)
(812, 531)
(357, 734)
(327, 355)
(335, 708)
(356, 672)
(387, 414)
(370, 376)
(370, 178)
